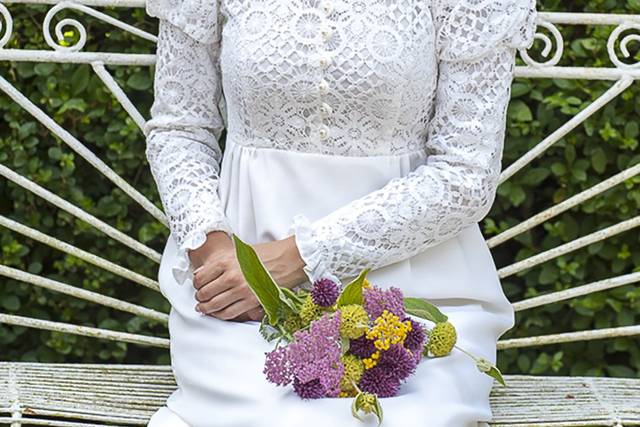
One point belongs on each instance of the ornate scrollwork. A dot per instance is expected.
(624, 41)
(548, 46)
(6, 25)
(80, 28)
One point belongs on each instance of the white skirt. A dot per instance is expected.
(218, 364)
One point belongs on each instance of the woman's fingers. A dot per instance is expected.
(220, 302)
(234, 310)
(209, 271)
(224, 282)
(222, 291)
(256, 313)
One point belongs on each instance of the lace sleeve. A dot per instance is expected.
(455, 187)
(182, 134)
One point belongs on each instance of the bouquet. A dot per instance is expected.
(356, 341)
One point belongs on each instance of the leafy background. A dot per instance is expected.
(600, 147)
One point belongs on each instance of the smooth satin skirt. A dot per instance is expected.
(218, 365)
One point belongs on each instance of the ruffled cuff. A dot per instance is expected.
(310, 251)
(183, 268)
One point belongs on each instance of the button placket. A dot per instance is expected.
(324, 60)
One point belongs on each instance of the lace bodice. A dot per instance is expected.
(342, 78)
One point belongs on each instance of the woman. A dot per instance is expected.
(359, 134)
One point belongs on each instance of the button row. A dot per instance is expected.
(324, 61)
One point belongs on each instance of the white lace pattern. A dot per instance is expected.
(344, 78)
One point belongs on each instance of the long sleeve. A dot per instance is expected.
(456, 185)
(182, 135)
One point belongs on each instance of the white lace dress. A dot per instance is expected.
(373, 131)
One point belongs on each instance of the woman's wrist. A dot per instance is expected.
(280, 257)
(216, 242)
(283, 261)
(291, 256)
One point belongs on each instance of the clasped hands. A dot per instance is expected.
(221, 289)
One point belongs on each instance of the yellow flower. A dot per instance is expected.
(388, 330)
(368, 403)
(353, 370)
(442, 338)
(309, 310)
(354, 321)
(292, 323)
(372, 360)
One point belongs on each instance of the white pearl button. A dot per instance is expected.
(325, 109)
(327, 6)
(324, 61)
(323, 132)
(326, 33)
(323, 87)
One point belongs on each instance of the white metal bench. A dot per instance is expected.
(82, 394)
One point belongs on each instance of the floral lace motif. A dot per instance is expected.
(345, 78)
(182, 140)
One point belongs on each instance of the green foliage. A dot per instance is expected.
(424, 309)
(352, 292)
(600, 147)
(272, 298)
(76, 98)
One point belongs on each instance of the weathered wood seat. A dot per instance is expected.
(127, 395)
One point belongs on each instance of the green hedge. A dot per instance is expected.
(602, 146)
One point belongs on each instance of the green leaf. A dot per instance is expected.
(55, 153)
(496, 375)
(519, 89)
(358, 405)
(259, 279)
(73, 104)
(354, 407)
(486, 367)
(11, 303)
(520, 111)
(80, 79)
(599, 160)
(140, 81)
(517, 195)
(378, 411)
(345, 343)
(535, 176)
(45, 68)
(424, 309)
(291, 299)
(268, 332)
(352, 293)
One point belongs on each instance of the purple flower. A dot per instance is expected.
(376, 300)
(313, 355)
(325, 292)
(416, 337)
(377, 380)
(397, 362)
(362, 347)
(309, 390)
(277, 367)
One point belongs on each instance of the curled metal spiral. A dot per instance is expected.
(8, 25)
(548, 47)
(624, 42)
(80, 28)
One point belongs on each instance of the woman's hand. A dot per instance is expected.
(222, 291)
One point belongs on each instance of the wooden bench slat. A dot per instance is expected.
(65, 395)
